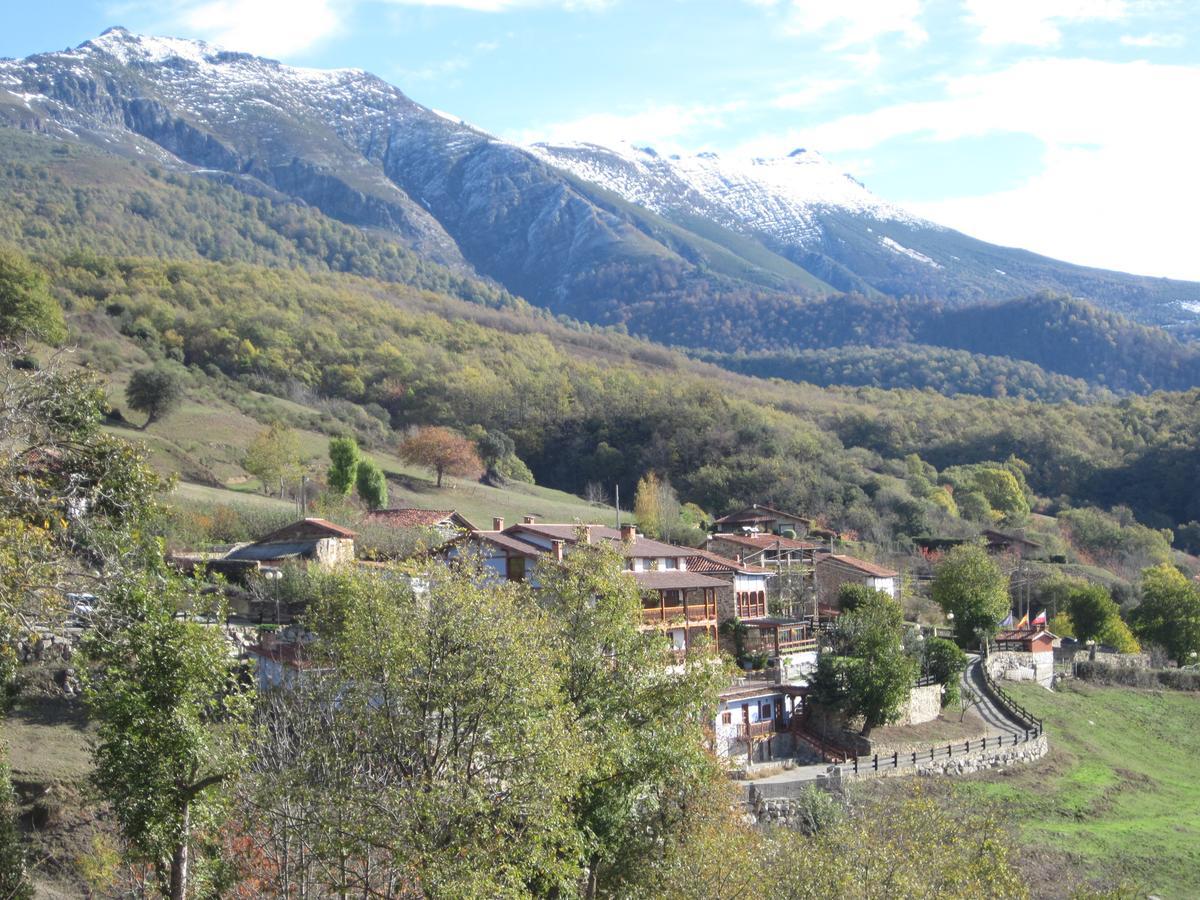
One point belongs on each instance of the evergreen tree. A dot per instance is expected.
(343, 464)
(371, 484)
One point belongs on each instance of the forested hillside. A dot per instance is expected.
(277, 297)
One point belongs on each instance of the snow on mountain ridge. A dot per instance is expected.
(780, 197)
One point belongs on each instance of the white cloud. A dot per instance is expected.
(1119, 187)
(1153, 40)
(495, 6)
(288, 27)
(1037, 23)
(856, 23)
(267, 27)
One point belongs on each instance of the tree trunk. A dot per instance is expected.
(179, 861)
(866, 729)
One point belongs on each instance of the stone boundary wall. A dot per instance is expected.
(1013, 665)
(779, 803)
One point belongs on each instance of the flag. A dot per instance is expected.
(1024, 623)
(1040, 619)
(1008, 620)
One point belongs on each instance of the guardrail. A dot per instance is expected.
(1028, 720)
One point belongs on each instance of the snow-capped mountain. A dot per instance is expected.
(778, 198)
(609, 235)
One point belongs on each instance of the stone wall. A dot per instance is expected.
(782, 804)
(1012, 665)
(924, 705)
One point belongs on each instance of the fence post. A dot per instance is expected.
(949, 751)
(968, 746)
(875, 762)
(856, 764)
(985, 742)
(931, 754)
(1027, 735)
(895, 759)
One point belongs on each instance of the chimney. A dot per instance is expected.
(497, 524)
(556, 547)
(530, 520)
(628, 533)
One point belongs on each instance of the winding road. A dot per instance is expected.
(997, 719)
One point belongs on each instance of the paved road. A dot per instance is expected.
(996, 719)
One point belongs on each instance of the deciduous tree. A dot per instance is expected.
(170, 711)
(156, 391)
(1169, 614)
(443, 452)
(27, 308)
(867, 673)
(970, 586)
(273, 456)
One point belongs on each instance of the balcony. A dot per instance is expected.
(757, 729)
(699, 612)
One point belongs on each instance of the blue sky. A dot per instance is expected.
(1066, 126)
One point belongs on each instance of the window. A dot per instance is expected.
(726, 718)
(669, 564)
(765, 713)
(515, 568)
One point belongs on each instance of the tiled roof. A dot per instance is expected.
(641, 546)
(706, 561)
(1024, 634)
(675, 579)
(414, 518)
(307, 528)
(765, 541)
(861, 565)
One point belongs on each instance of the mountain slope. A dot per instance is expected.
(803, 208)
(581, 230)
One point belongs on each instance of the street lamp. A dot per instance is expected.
(274, 576)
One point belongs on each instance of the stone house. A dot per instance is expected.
(834, 569)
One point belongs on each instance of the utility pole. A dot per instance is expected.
(617, 494)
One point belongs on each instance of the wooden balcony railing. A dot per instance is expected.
(757, 729)
(798, 646)
(697, 613)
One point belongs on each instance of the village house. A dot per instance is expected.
(786, 645)
(308, 542)
(759, 519)
(835, 569)
(446, 522)
(682, 603)
(754, 722)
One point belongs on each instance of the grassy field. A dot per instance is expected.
(206, 439)
(1118, 797)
